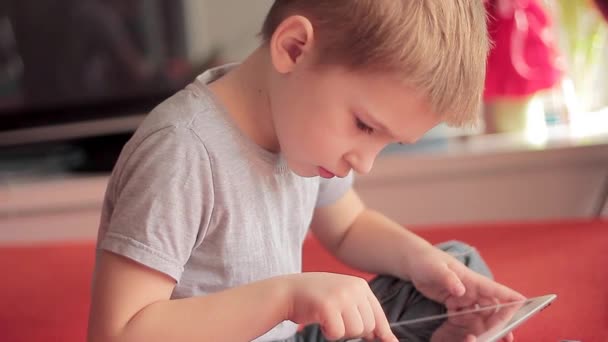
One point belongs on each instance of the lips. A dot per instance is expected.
(325, 174)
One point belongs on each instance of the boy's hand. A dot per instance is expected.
(344, 306)
(466, 327)
(441, 277)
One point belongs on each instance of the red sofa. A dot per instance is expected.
(45, 292)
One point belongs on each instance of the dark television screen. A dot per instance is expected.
(67, 60)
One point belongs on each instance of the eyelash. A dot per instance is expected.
(363, 127)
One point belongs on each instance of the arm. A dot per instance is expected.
(369, 241)
(131, 303)
(365, 239)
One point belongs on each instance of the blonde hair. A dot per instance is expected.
(439, 47)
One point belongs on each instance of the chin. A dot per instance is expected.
(303, 171)
(304, 174)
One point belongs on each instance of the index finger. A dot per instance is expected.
(479, 288)
(383, 330)
(490, 289)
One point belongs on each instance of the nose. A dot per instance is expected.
(362, 162)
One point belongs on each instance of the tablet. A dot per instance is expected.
(487, 323)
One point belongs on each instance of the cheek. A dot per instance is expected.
(327, 146)
(303, 120)
(310, 144)
(306, 140)
(310, 125)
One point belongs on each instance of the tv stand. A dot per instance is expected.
(100, 153)
(47, 159)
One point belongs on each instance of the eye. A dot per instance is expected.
(363, 127)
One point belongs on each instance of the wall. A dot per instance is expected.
(462, 183)
(228, 25)
(510, 185)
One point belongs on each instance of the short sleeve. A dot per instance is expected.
(162, 201)
(331, 190)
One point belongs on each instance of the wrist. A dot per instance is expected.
(282, 290)
(413, 250)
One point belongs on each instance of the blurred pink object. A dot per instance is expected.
(524, 59)
(602, 5)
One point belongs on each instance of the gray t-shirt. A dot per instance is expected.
(193, 198)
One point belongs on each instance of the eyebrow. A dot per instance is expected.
(382, 127)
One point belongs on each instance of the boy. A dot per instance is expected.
(210, 201)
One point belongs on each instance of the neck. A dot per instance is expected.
(244, 93)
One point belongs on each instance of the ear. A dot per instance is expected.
(292, 40)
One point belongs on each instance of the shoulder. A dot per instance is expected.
(162, 151)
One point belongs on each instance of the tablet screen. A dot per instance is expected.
(486, 324)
